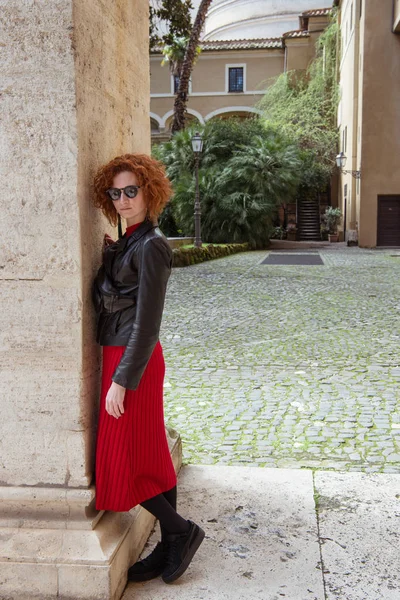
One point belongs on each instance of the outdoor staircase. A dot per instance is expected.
(308, 221)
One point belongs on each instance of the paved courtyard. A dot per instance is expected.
(286, 366)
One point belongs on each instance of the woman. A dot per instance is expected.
(133, 462)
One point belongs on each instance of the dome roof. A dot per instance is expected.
(249, 19)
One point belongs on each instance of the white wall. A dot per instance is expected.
(244, 19)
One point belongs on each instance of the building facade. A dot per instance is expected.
(231, 76)
(369, 193)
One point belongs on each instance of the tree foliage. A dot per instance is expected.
(180, 46)
(249, 167)
(305, 108)
(176, 16)
(246, 170)
(174, 54)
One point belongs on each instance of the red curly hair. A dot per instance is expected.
(152, 178)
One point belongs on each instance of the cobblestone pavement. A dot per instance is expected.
(287, 366)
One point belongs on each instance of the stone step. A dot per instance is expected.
(300, 245)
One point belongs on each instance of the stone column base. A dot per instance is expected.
(55, 545)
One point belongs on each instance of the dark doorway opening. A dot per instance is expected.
(388, 221)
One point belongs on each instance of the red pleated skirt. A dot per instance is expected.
(133, 461)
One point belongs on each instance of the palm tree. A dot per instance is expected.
(174, 54)
(267, 169)
(187, 66)
(247, 169)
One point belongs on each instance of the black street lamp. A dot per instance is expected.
(341, 163)
(197, 145)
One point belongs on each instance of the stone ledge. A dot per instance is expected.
(58, 508)
(47, 562)
(294, 245)
(177, 242)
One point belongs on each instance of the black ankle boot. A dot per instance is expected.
(150, 567)
(180, 549)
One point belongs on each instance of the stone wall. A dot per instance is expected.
(380, 115)
(112, 109)
(40, 323)
(75, 91)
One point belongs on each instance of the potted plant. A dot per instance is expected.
(324, 229)
(278, 233)
(291, 231)
(332, 220)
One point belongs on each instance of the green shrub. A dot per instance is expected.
(246, 171)
(278, 233)
(183, 257)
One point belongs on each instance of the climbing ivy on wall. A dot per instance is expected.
(305, 106)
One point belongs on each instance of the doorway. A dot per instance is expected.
(388, 221)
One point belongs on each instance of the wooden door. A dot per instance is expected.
(388, 221)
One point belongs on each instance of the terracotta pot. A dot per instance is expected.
(333, 237)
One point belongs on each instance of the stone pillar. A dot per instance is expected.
(74, 92)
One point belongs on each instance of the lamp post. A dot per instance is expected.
(341, 163)
(197, 145)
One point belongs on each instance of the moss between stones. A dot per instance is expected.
(191, 255)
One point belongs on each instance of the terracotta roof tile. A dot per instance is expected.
(249, 44)
(317, 12)
(296, 33)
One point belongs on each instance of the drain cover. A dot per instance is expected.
(293, 259)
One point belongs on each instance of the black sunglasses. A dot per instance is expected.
(130, 191)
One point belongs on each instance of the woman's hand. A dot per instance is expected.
(115, 400)
(107, 241)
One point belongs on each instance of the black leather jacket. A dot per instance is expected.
(128, 293)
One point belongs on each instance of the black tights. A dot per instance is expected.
(163, 507)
